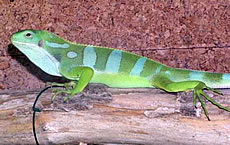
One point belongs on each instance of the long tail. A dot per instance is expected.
(214, 80)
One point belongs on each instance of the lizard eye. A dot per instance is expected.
(28, 35)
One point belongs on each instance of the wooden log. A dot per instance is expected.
(106, 115)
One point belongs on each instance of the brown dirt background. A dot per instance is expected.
(180, 33)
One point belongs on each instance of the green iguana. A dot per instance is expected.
(83, 64)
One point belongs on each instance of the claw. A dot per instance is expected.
(202, 104)
(57, 92)
(214, 102)
(194, 98)
(67, 97)
(53, 97)
(66, 85)
(215, 91)
(67, 89)
(199, 91)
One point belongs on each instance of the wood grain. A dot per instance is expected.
(101, 115)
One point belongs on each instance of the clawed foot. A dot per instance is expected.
(198, 91)
(65, 85)
(59, 91)
(67, 90)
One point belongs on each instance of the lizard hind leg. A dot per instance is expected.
(168, 85)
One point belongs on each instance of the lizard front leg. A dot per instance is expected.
(80, 77)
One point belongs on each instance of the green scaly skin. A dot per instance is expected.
(83, 64)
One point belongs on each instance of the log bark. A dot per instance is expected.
(118, 116)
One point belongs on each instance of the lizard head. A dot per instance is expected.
(26, 37)
(30, 43)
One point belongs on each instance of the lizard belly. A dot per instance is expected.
(120, 80)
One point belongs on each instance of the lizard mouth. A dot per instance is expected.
(20, 45)
(12, 39)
